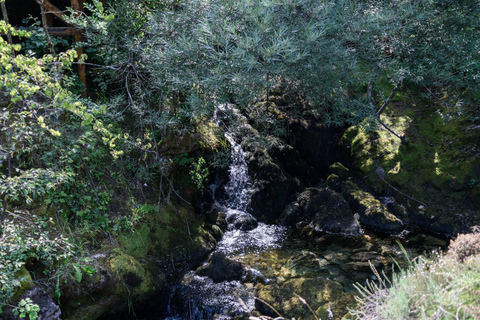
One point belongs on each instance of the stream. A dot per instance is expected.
(278, 261)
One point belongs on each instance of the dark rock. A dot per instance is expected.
(241, 220)
(372, 212)
(325, 209)
(219, 268)
(317, 145)
(271, 185)
(48, 309)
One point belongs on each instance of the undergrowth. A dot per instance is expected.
(441, 286)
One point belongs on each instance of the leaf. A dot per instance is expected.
(88, 120)
(77, 274)
(89, 269)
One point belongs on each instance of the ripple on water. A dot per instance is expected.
(199, 298)
(261, 238)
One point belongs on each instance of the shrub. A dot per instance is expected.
(464, 246)
(437, 287)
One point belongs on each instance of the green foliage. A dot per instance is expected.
(23, 238)
(137, 214)
(26, 307)
(199, 172)
(436, 287)
(36, 43)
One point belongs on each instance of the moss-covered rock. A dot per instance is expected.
(137, 265)
(25, 282)
(373, 213)
(324, 209)
(290, 298)
(434, 176)
(136, 243)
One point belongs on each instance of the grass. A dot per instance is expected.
(442, 286)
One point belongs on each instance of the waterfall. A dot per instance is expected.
(238, 189)
(244, 233)
(198, 297)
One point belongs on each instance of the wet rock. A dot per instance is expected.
(364, 255)
(325, 209)
(201, 298)
(289, 298)
(372, 212)
(48, 309)
(241, 220)
(304, 264)
(270, 184)
(219, 268)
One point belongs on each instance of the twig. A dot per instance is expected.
(268, 305)
(389, 129)
(378, 172)
(45, 27)
(5, 17)
(305, 303)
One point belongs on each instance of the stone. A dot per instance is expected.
(48, 309)
(324, 209)
(219, 268)
(241, 220)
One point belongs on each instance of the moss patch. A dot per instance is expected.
(136, 243)
(440, 164)
(132, 273)
(25, 282)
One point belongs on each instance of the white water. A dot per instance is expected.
(239, 193)
(205, 299)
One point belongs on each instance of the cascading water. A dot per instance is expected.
(209, 300)
(238, 188)
(274, 262)
(238, 193)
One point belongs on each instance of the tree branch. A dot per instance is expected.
(50, 44)
(390, 97)
(5, 17)
(390, 129)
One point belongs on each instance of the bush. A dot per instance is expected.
(437, 287)
(465, 246)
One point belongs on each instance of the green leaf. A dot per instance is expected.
(77, 274)
(89, 269)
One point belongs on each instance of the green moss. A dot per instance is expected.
(180, 232)
(132, 273)
(436, 166)
(25, 280)
(333, 178)
(340, 170)
(136, 243)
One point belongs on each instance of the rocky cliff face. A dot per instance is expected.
(431, 183)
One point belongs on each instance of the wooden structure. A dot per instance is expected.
(52, 11)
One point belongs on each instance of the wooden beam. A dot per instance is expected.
(50, 8)
(64, 31)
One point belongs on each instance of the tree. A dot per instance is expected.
(348, 58)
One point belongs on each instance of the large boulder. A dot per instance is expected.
(434, 176)
(325, 209)
(219, 268)
(367, 208)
